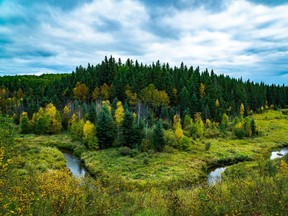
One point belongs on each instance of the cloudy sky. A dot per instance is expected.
(240, 38)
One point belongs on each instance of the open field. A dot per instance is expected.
(170, 166)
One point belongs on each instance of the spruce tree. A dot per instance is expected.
(127, 129)
(158, 137)
(253, 127)
(92, 115)
(105, 128)
(24, 123)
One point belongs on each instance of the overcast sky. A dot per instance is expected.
(240, 38)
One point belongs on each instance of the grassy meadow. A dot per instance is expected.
(172, 182)
(171, 165)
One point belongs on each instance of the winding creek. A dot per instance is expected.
(216, 175)
(74, 164)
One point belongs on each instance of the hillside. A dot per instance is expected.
(147, 136)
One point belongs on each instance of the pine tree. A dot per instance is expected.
(199, 128)
(184, 100)
(92, 115)
(24, 123)
(158, 137)
(65, 117)
(187, 122)
(253, 127)
(105, 128)
(225, 121)
(127, 129)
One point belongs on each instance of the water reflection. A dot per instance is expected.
(279, 154)
(215, 176)
(74, 165)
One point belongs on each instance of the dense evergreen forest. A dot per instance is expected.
(165, 90)
(147, 135)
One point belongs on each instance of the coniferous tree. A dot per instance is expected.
(92, 115)
(105, 128)
(158, 137)
(253, 127)
(127, 129)
(24, 123)
(65, 117)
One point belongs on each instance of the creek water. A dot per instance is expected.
(278, 154)
(215, 175)
(74, 165)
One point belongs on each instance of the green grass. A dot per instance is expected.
(42, 153)
(143, 184)
(170, 166)
(182, 166)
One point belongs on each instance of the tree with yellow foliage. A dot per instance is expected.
(202, 90)
(238, 130)
(107, 104)
(178, 128)
(76, 129)
(199, 128)
(119, 114)
(105, 91)
(217, 103)
(89, 135)
(241, 110)
(152, 96)
(96, 94)
(102, 92)
(46, 121)
(131, 97)
(81, 92)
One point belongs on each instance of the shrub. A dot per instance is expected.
(171, 139)
(124, 151)
(207, 146)
(133, 152)
(185, 143)
(239, 131)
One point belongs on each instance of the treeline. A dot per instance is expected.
(159, 87)
(137, 106)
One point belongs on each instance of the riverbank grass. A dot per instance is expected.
(169, 166)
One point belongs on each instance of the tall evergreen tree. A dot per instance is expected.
(158, 137)
(24, 123)
(105, 128)
(127, 128)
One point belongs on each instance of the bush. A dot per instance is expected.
(146, 160)
(239, 131)
(124, 151)
(207, 146)
(133, 152)
(185, 144)
(171, 139)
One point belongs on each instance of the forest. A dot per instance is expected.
(147, 136)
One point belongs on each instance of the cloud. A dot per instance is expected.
(240, 38)
(243, 40)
